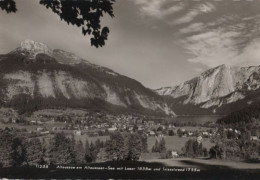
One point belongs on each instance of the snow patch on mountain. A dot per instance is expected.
(35, 48)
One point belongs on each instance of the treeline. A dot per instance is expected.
(160, 147)
(243, 118)
(235, 150)
(62, 149)
(125, 146)
(193, 149)
(25, 104)
(239, 135)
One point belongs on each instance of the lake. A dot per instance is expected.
(198, 119)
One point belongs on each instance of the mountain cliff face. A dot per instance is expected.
(35, 73)
(216, 88)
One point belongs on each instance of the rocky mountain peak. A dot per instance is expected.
(58, 78)
(217, 86)
(35, 48)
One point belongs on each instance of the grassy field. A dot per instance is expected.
(28, 127)
(198, 119)
(32, 127)
(172, 142)
(176, 143)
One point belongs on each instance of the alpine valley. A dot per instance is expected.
(34, 76)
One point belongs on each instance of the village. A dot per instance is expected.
(84, 124)
(93, 127)
(79, 122)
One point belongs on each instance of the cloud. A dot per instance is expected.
(212, 32)
(187, 18)
(162, 9)
(250, 56)
(199, 9)
(212, 48)
(159, 8)
(218, 47)
(192, 28)
(230, 39)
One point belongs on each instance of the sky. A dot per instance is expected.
(157, 42)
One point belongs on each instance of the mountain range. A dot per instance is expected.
(219, 90)
(34, 76)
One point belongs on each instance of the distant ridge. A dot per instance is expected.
(217, 90)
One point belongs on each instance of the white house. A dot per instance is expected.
(175, 154)
(253, 138)
(199, 139)
(39, 129)
(112, 129)
(45, 133)
(152, 133)
(78, 132)
(205, 133)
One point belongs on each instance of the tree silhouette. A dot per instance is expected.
(8, 5)
(85, 14)
(79, 152)
(18, 152)
(61, 149)
(34, 151)
(6, 140)
(87, 153)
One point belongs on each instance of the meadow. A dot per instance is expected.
(177, 143)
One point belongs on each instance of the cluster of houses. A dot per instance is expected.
(93, 123)
(237, 132)
(98, 123)
(8, 115)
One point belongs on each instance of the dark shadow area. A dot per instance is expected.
(252, 161)
(212, 172)
(204, 166)
(222, 171)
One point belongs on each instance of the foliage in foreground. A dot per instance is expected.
(84, 14)
(62, 149)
